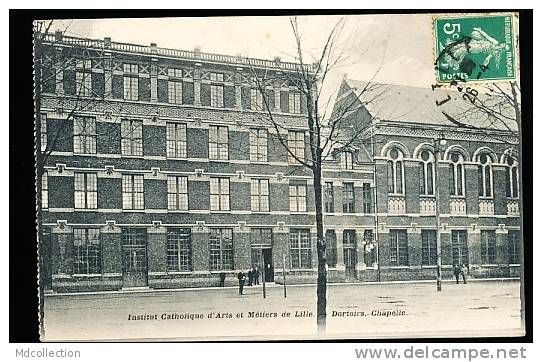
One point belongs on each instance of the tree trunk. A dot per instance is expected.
(321, 250)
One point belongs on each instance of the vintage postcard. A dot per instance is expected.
(261, 178)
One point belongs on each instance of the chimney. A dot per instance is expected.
(197, 50)
(58, 35)
(153, 48)
(107, 42)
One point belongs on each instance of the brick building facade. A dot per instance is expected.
(159, 174)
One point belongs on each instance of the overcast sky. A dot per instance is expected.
(400, 45)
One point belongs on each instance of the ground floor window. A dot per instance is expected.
(460, 251)
(331, 248)
(398, 247)
(87, 251)
(513, 246)
(350, 249)
(221, 249)
(179, 249)
(488, 242)
(300, 249)
(429, 247)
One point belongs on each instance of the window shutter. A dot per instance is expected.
(188, 93)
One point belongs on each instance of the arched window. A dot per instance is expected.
(485, 176)
(457, 175)
(512, 179)
(426, 173)
(395, 171)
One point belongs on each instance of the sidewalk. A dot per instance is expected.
(267, 285)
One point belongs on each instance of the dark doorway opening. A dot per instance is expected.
(268, 264)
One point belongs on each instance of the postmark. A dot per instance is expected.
(475, 48)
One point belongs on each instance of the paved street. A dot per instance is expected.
(361, 310)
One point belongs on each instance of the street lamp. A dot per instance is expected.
(438, 144)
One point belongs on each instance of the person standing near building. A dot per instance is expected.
(464, 272)
(457, 271)
(250, 277)
(222, 278)
(257, 275)
(241, 277)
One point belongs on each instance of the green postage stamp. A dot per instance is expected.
(475, 48)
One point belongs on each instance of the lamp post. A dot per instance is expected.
(437, 144)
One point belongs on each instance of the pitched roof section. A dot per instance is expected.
(399, 103)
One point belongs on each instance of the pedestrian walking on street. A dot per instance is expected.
(222, 278)
(457, 271)
(241, 276)
(257, 275)
(464, 272)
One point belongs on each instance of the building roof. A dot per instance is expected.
(154, 50)
(441, 107)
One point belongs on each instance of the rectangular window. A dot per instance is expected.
(84, 135)
(132, 192)
(258, 145)
(83, 83)
(221, 249)
(175, 73)
(175, 91)
(294, 102)
(298, 198)
(429, 247)
(44, 191)
(176, 140)
(348, 197)
(329, 198)
(259, 195)
(347, 159)
(220, 194)
(217, 95)
(296, 144)
(300, 249)
(331, 248)
(367, 198)
(256, 99)
(43, 131)
(86, 251)
(218, 143)
(131, 68)
(177, 193)
(179, 250)
(86, 191)
(260, 239)
(131, 132)
(460, 251)
(398, 247)
(513, 246)
(489, 246)
(131, 88)
(216, 77)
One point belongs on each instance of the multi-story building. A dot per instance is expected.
(160, 173)
(413, 136)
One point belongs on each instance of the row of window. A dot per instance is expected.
(133, 198)
(83, 88)
(85, 138)
(396, 174)
(88, 257)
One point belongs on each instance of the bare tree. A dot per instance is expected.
(326, 134)
(496, 106)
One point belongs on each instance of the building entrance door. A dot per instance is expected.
(134, 258)
(268, 264)
(350, 252)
